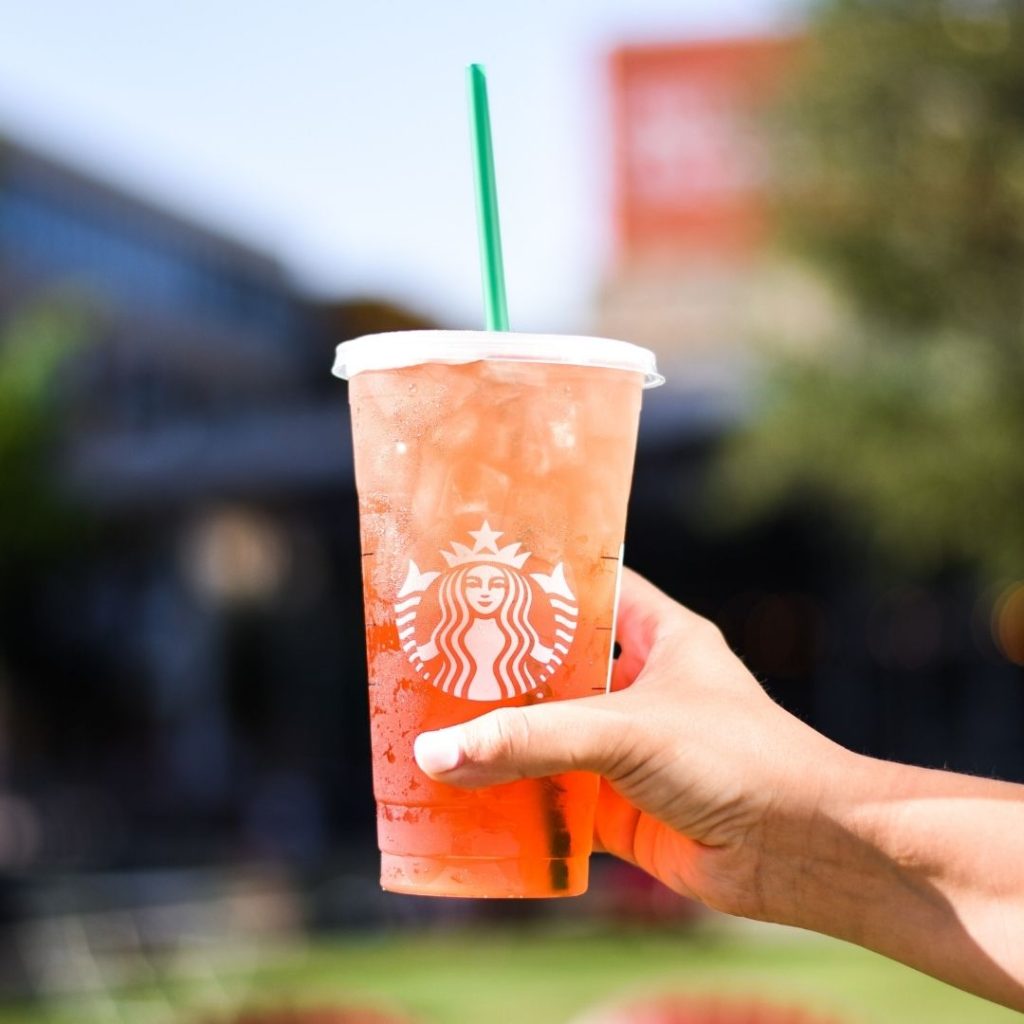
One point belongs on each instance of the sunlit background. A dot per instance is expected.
(814, 214)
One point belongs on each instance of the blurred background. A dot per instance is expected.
(813, 213)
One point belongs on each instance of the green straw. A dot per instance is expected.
(492, 269)
(493, 273)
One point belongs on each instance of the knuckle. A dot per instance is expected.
(506, 732)
(615, 734)
(712, 633)
(625, 754)
(705, 633)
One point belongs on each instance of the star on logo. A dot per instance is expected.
(486, 550)
(486, 538)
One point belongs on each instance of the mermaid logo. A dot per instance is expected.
(484, 628)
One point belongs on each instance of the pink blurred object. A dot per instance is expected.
(676, 1009)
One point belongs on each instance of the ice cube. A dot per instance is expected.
(456, 431)
(473, 487)
(428, 490)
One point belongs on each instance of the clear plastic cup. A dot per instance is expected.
(493, 472)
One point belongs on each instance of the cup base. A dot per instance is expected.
(484, 877)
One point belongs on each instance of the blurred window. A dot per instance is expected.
(46, 237)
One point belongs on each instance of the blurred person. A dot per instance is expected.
(726, 798)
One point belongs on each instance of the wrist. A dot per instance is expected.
(820, 857)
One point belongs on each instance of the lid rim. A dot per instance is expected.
(412, 348)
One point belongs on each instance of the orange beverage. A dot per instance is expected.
(493, 473)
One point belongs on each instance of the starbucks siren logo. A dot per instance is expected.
(490, 616)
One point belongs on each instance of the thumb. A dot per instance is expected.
(589, 734)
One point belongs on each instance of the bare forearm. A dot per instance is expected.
(923, 866)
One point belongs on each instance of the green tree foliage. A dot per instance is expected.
(33, 345)
(901, 178)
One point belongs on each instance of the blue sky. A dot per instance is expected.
(334, 134)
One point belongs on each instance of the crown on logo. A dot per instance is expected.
(485, 549)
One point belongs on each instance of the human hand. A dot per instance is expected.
(701, 771)
(718, 792)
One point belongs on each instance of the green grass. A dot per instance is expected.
(534, 976)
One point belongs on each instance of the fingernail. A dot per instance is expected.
(437, 752)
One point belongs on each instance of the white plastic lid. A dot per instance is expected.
(409, 348)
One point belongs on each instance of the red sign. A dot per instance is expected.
(689, 155)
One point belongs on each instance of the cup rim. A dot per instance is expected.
(395, 349)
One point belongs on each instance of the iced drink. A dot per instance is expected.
(492, 498)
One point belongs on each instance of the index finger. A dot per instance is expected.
(643, 613)
(646, 615)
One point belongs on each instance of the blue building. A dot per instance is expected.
(178, 661)
(193, 330)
